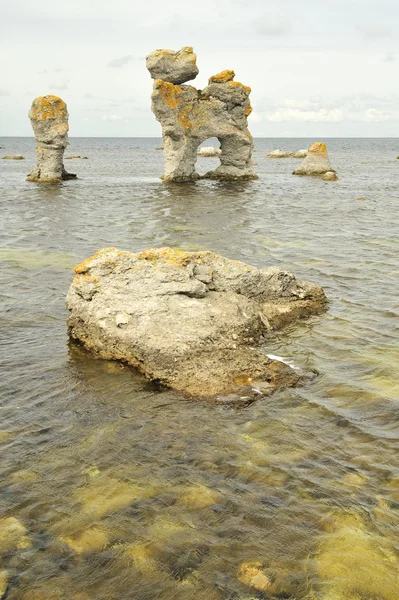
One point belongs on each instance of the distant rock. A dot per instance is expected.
(49, 119)
(301, 153)
(16, 157)
(280, 154)
(190, 320)
(173, 67)
(189, 117)
(330, 176)
(316, 161)
(209, 151)
(76, 156)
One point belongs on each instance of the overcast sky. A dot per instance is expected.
(317, 68)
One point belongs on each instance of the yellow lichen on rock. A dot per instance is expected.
(48, 107)
(183, 117)
(85, 265)
(248, 111)
(3, 583)
(318, 148)
(222, 77)
(169, 255)
(168, 92)
(246, 88)
(251, 574)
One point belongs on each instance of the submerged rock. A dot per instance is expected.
(251, 574)
(16, 157)
(189, 117)
(12, 535)
(209, 151)
(316, 161)
(3, 583)
(92, 539)
(187, 319)
(49, 118)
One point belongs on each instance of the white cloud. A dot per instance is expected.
(116, 63)
(59, 86)
(322, 115)
(111, 118)
(272, 26)
(374, 32)
(388, 57)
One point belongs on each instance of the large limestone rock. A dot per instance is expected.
(49, 118)
(189, 117)
(173, 67)
(316, 161)
(191, 320)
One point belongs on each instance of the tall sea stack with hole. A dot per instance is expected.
(194, 321)
(49, 118)
(189, 117)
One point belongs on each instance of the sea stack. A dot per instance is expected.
(189, 117)
(316, 161)
(49, 118)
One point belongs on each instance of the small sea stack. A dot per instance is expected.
(16, 157)
(49, 119)
(316, 161)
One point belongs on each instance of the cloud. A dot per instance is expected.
(4, 93)
(111, 118)
(116, 63)
(323, 115)
(59, 86)
(272, 26)
(374, 32)
(388, 57)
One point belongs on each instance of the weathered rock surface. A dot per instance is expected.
(316, 161)
(330, 176)
(173, 67)
(209, 151)
(49, 118)
(189, 117)
(16, 157)
(190, 320)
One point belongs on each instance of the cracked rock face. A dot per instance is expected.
(316, 161)
(49, 118)
(191, 320)
(189, 117)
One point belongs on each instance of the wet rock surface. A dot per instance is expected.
(49, 119)
(316, 161)
(189, 116)
(190, 320)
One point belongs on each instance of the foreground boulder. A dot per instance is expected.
(189, 117)
(316, 161)
(49, 118)
(190, 320)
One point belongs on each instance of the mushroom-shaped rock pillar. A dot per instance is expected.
(49, 118)
(316, 161)
(189, 117)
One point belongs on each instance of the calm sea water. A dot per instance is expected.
(112, 489)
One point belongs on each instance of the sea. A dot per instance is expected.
(112, 488)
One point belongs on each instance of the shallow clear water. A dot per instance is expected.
(128, 491)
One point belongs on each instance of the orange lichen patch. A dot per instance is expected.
(246, 88)
(183, 117)
(180, 258)
(168, 92)
(248, 111)
(222, 77)
(86, 264)
(318, 148)
(86, 278)
(48, 107)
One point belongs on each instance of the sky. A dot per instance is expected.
(316, 68)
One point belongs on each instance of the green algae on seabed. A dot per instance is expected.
(21, 258)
